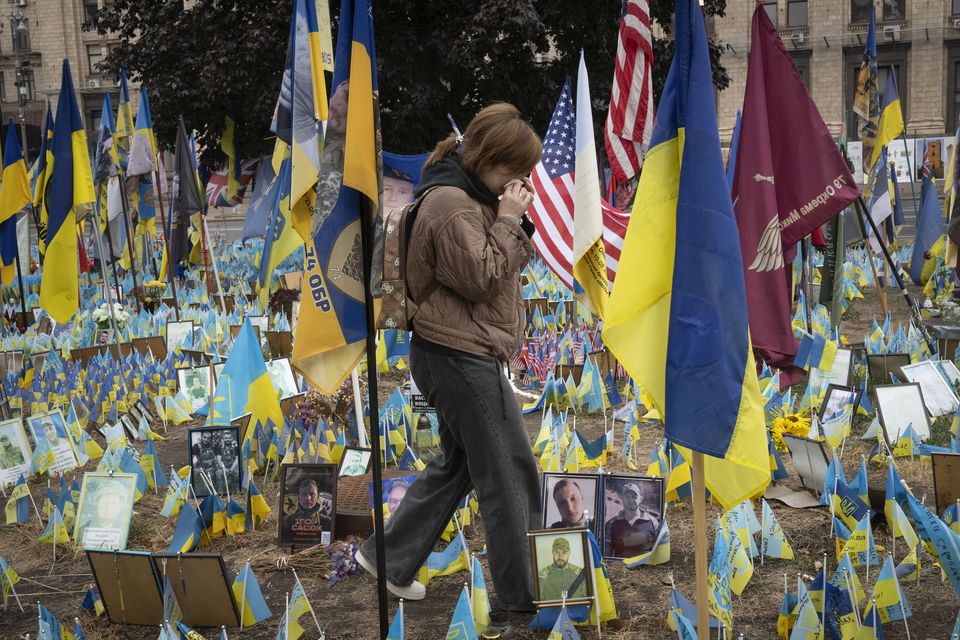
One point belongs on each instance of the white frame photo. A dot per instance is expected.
(17, 436)
(175, 336)
(938, 395)
(64, 451)
(900, 405)
(281, 374)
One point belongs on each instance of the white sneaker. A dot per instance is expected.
(414, 591)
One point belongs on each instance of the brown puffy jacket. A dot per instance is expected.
(477, 259)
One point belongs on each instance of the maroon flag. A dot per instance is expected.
(789, 179)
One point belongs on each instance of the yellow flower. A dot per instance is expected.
(794, 424)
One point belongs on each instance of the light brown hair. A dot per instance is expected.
(498, 135)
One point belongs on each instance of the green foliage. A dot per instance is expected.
(434, 57)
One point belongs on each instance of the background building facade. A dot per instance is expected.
(35, 37)
(918, 40)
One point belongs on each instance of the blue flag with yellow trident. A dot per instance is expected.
(14, 196)
(69, 190)
(331, 330)
(680, 329)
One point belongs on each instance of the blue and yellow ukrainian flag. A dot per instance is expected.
(71, 189)
(245, 386)
(396, 627)
(250, 601)
(281, 239)
(189, 528)
(681, 328)
(891, 116)
(14, 196)
(39, 177)
(331, 330)
(143, 145)
(125, 127)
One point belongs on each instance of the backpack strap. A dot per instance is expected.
(411, 218)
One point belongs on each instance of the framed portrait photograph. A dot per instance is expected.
(570, 500)
(838, 400)
(132, 428)
(632, 514)
(561, 562)
(355, 461)
(15, 453)
(260, 323)
(214, 454)
(103, 514)
(393, 490)
(195, 383)
(949, 372)
(52, 428)
(308, 500)
(938, 394)
(900, 406)
(839, 374)
(881, 365)
(282, 377)
(809, 461)
(179, 335)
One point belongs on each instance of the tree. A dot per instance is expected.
(434, 57)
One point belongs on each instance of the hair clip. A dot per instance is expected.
(458, 137)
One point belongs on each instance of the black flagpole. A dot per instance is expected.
(366, 243)
(864, 213)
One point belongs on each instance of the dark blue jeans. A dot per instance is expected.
(484, 444)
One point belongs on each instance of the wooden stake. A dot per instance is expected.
(700, 543)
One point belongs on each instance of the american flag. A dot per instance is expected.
(630, 119)
(552, 210)
(553, 179)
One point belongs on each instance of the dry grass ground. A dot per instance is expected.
(348, 610)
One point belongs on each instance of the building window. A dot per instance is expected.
(771, 8)
(953, 89)
(955, 7)
(860, 10)
(797, 13)
(802, 61)
(21, 35)
(89, 10)
(3, 87)
(894, 10)
(94, 58)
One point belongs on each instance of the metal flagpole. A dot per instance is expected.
(898, 275)
(366, 243)
(213, 260)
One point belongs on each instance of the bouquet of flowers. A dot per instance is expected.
(101, 316)
(153, 293)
